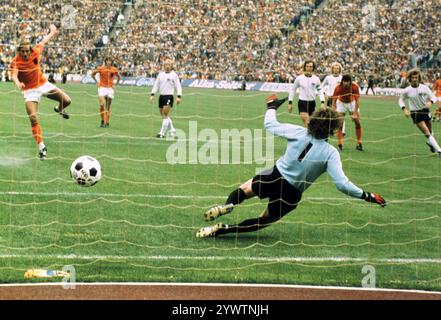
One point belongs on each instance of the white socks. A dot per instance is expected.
(164, 126)
(166, 123)
(170, 123)
(41, 146)
(431, 140)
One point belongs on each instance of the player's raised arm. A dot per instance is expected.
(285, 130)
(53, 32)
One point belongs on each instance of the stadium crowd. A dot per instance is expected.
(81, 26)
(259, 40)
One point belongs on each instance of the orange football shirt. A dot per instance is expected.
(29, 71)
(107, 75)
(346, 95)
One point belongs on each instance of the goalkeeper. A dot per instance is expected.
(307, 156)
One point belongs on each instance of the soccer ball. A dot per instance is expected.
(86, 171)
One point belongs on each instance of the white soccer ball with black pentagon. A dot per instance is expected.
(86, 171)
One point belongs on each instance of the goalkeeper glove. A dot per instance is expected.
(273, 103)
(373, 197)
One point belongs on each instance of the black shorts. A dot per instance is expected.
(420, 115)
(282, 195)
(306, 106)
(166, 100)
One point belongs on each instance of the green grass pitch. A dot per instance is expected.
(139, 222)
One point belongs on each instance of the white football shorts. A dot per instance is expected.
(106, 92)
(343, 107)
(35, 94)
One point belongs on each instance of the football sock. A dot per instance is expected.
(431, 140)
(41, 146)
(36, 133)
(102, 113)
(358, 134)
(247, 225)
(170, 123)
(108, 113)
(236, 197)
(164, 126)
(340, 136)
(343, 129)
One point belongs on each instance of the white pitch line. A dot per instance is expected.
(223, 258)
(217, 285)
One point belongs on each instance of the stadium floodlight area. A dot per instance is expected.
(139, 222)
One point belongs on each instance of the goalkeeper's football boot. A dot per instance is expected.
(218, 211)
(206, 232)
(62, 113)
(359, 147)
(432, 149)
(42, 153)
(273, 103)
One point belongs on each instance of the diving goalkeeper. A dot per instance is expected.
(307, 156)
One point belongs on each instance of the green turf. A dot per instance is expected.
(139, 222)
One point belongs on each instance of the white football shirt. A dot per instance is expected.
(166, 82)
(329, 84)
(416, 97)
(309, 88)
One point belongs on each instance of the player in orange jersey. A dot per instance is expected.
(106, 93)
(346, 99)
(437, 90)
(28, 77)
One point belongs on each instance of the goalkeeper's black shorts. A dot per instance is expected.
(283, 197)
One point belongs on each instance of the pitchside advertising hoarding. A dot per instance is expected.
(216, 84)
(125, 81)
